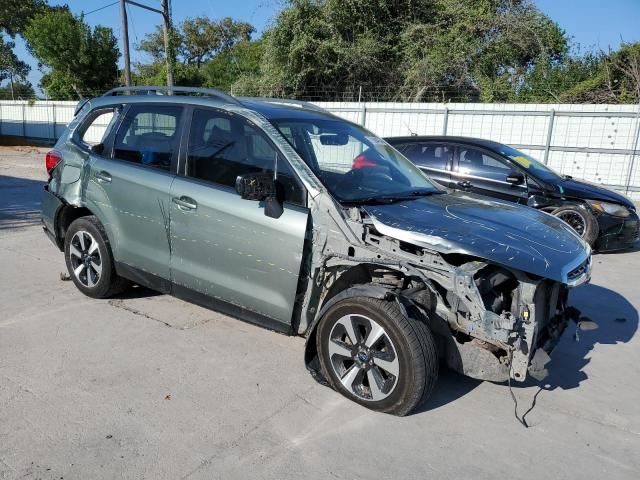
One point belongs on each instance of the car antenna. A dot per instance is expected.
(413, 134)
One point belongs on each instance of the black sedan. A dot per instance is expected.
(604, 218)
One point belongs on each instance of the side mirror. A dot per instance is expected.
(515, 178)
(97, 149)
(261, 187)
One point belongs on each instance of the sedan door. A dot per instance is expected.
(433, 158)
(226, 253)
(480, 171)
(130, 191)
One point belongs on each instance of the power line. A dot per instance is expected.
(101, 8)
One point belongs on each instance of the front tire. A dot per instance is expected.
(89, 259)
(581, 220)
(373, 354)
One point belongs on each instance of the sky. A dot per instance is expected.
(591, 23)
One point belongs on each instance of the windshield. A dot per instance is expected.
(536, 168)
(354, 164)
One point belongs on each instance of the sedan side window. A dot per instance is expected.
(477, 163)
(223, 146)
(149, 135)
(429, 155)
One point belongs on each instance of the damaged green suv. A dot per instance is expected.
(281, 214)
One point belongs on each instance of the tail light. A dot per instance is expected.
(361, 162)
(52, 159)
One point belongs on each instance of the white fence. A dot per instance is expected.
(599, 143)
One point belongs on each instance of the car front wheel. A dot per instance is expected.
(581, 220)
(374, 354)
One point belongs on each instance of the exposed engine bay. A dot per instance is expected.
(492, 322)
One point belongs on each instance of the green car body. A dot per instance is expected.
(174, 232)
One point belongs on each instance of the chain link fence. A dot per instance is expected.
(598, 143)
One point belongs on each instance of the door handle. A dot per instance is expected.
(464, 184)
(103, 177)
(185, 203)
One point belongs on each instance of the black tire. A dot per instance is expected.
(105, 284)
(581, 220)
(414, 345)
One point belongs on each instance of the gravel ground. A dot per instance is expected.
(147, 386)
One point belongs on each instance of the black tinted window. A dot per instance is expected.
(431, 155)
(223, 146)
(477, 163)
(149, 135)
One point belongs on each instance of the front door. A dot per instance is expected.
(225, 248)
(479, 171)
(130, 191)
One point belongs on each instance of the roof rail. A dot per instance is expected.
(151, 90)
(285, 101)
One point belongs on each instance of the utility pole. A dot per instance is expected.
(125, 43)
(168, 47)
(166, 30)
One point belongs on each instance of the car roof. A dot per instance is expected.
(271, 108)
(480, 142)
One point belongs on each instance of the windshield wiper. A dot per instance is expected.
(398, 197)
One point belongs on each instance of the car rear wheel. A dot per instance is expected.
(581, 220)
(89, 260)
(374, 354)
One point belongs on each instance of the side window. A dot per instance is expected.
(149, 135)
(477, 163)
(430, 155)
(96, 127)
(223, 146)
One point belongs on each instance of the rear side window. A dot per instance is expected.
(430, 155)
(148, 135)
(96, 127)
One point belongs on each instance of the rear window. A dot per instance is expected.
(149, 135)
(429, 155)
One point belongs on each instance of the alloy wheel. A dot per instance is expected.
(86, 261)
(575, 220)
(363, 357)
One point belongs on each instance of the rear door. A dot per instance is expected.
(225, 249)
(433, 158)
(481, 171)
(130, 189)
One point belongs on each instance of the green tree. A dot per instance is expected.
(81, 61)
(10, 66)
(417, 49)
(15, 15)
(198, 39)
(240, 60)
(17, 91)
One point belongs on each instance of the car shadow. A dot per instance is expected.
(19, 202)
(617, 323)
(136, 291)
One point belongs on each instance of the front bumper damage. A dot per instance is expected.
(492, 321)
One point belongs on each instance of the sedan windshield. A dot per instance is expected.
(354, 165)
(533, 166)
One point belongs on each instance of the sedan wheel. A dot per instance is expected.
(575, 220)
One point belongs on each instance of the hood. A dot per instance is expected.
(515, 236)
(587, 190)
